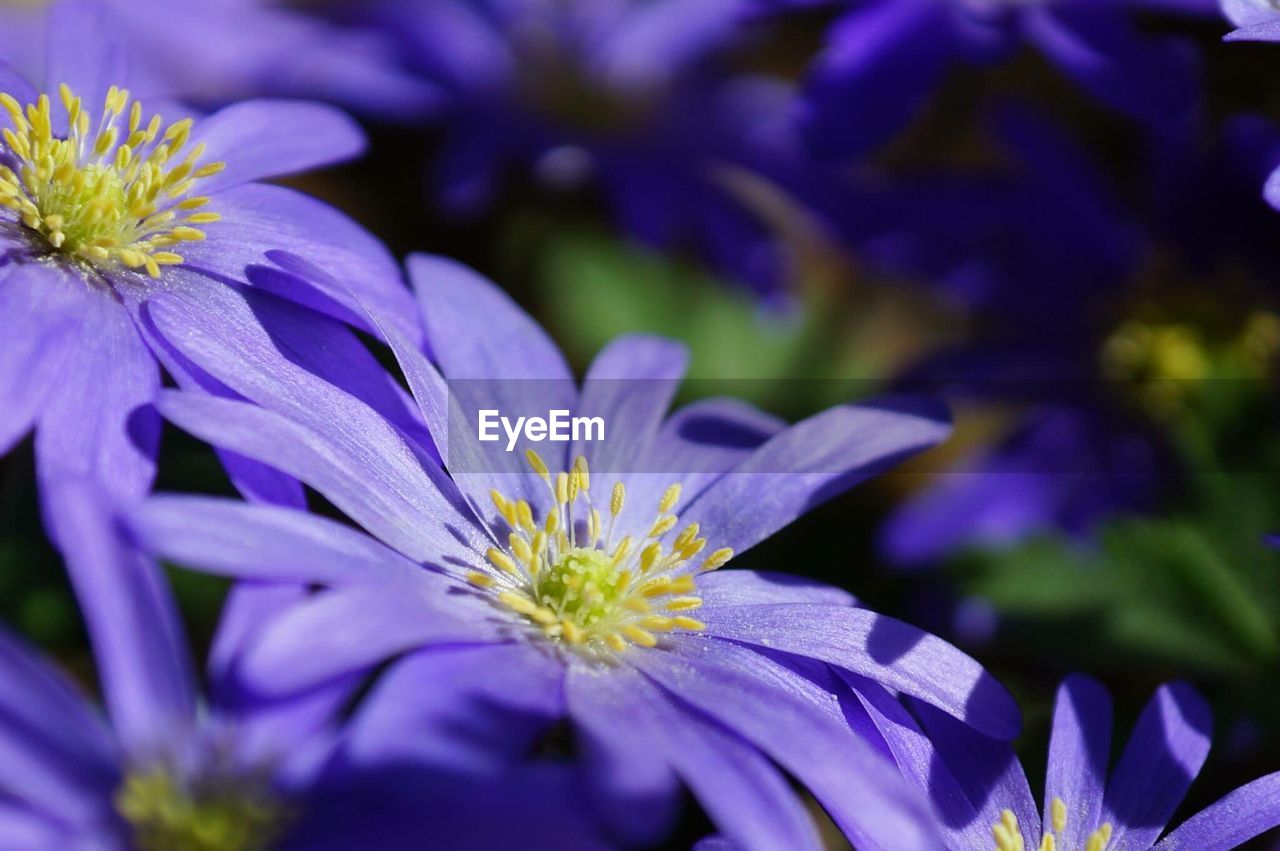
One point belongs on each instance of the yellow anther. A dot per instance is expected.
(640, 636)
(1099, 839)
(717, 559)
(517, 602)
(562, 488)
(524, 516)
(615, 642)
(501, 560)
(583, 472)
(684, 604)
(649, 556)
(1058, 814)
(669, 498)
(544, 616)
(480, 580)
(572, 632)
(691, 624)
(618, 499)
(538, 465)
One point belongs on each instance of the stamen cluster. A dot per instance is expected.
(1009, 838)
(165, 816)
(573, 582)
(115, 191)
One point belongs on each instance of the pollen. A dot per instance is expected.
(580, 583)
(163, 814)
(1008, 836)
(114, 192)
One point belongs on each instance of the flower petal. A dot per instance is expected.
(263, 542)
(350, 630)
(473, 711)
(258, 139)
(55, 753)
(98, 421)
(76, 53)
(132, 619)
(1079, 751)
(369, 473)
(757, 698)
(627, 715)
(809, 463)
(1163, 756)
(738, 587)
(628, 774)
(1230, 821)
(882, 649)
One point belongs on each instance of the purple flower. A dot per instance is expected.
(103, 206)
(531, 595)
(1255, 20)
(981, 795)
(166, 769)
(884, 58)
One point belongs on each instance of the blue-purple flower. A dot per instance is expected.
(531, 594)
(104, 204)
(884, 58)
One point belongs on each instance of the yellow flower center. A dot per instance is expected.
(117, 191)
(1008, 836)
(166, 816)
(573, 583)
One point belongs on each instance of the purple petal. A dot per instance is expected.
(757, 698)
(1266, 31)
(1230, 821)
(16, 84)
(133, 622)
(1163, 756)
(371, 475)
(628, 774)
(258, 139)
(635, 722)
(350, 630)
(98, 421)
(260, 222)
(882, 649)
(754, 587)
(471, 710)
(654, 41)
(1245, 13)
(78, 54)
(477, 332)
(25, 830)
(263, 542)
(809, 463)
(1271, 191)
(55, 753)
(1079, 752)
(39, 316)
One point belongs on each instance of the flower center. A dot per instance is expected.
(231, 815)
(1009, 838)
(572, 582)
(114, 192)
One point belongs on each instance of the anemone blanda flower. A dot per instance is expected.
(533, 594)
(983, 801)
(885, 57)
(103, 205)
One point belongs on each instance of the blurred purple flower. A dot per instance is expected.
(884, 58)
(981, 793)
(102, 209)
(663, 668)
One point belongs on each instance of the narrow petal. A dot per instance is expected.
(626, 715)
(628, 775)
(1079, 751)
(55, 753)
(371, 475)
(137, 637)
(263, 542)
(882, 649)
(809, 463)
(17, 85)
(24, 829)
(98, 421)
(473, 710)
(39, 319)
(350, 630)
(1230, 821)
(258, 139)
(1163, 756)
(754, 587)
(496, 358)
(757, 698)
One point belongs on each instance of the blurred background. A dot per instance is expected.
(1051, 215)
